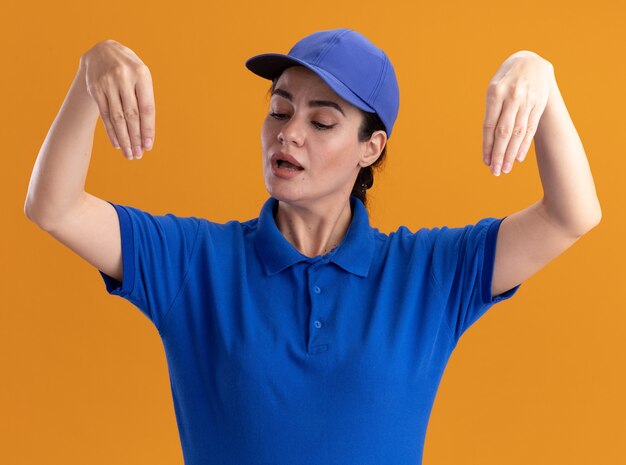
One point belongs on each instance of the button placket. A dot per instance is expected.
(316, 339)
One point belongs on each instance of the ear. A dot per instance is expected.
(373, 148)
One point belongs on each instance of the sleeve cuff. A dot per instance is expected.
(489, 261)
(113, 286)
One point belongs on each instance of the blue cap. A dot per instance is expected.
(351, 65)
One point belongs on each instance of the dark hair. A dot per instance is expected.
(371, 123)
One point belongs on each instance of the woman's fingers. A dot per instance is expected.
(145, 102)
(121, 84)
(131, 115)
(502, 134)
(512, 135)
(492, 113)
(516, 98)
(105, 113)
(517, 136)
(531, 130)
(118, 120)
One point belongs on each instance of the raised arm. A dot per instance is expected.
(56, 200)
(523, 102)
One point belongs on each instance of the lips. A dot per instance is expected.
(279, 157)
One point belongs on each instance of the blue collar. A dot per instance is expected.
(353, 254)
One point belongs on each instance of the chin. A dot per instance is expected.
(284, 190)
(283, 193)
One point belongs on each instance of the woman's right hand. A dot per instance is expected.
(121, 85)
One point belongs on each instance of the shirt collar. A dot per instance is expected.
(354, 253)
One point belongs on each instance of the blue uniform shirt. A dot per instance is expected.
(276, 358)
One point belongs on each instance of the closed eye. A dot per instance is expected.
(322, 126)
(278, 115)
(317, 125)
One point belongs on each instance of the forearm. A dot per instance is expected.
(57, 182)
(570, 198)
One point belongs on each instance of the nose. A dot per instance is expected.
(291, 132)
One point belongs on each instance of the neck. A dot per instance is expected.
(316, 228)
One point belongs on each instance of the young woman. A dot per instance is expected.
(306, 336)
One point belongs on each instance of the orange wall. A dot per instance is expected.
(539, 379)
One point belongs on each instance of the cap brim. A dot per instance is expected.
(270, 65)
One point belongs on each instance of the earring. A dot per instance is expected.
(363, 187)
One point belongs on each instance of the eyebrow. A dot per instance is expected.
(312, 103)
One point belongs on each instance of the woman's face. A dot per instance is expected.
(310, 122)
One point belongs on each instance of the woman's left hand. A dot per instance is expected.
(516, 98)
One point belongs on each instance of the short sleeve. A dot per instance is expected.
(156, 252)
(462, 265)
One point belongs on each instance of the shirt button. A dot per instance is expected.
(317, 289)
(318, 324)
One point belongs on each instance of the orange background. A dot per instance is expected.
(539, 379)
